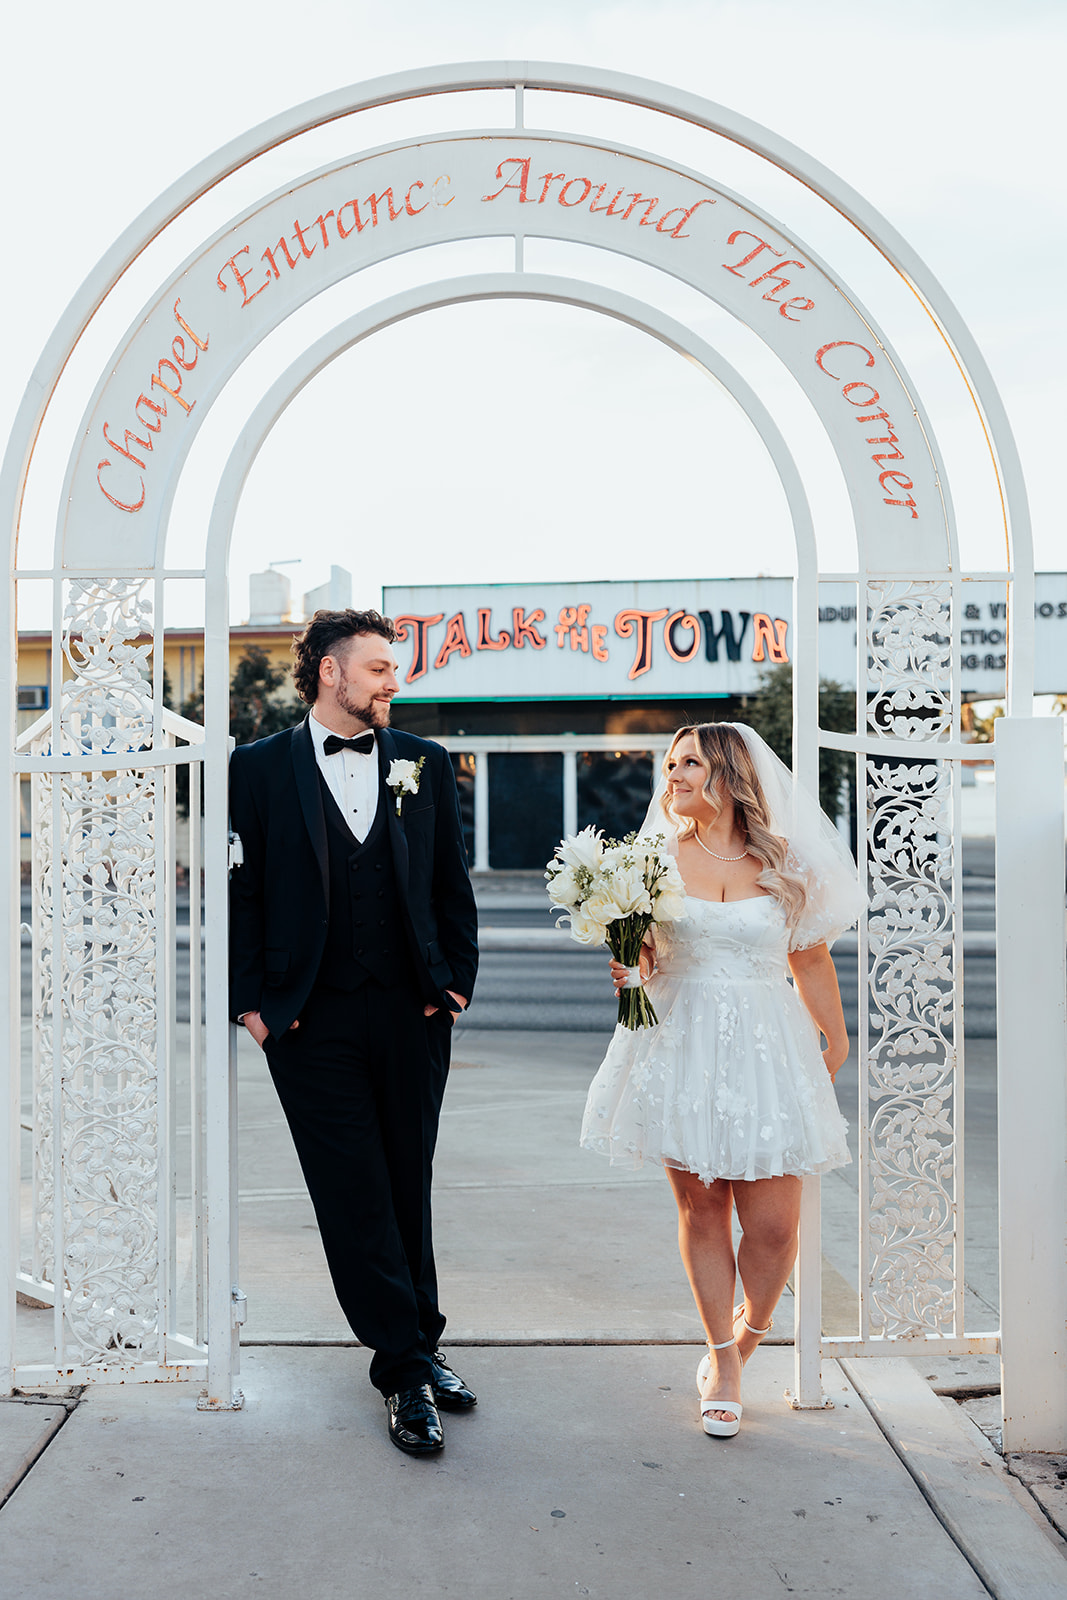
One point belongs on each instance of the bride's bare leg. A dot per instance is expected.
(768, 1210)
(705, 1241)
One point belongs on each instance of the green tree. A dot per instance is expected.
(771, 714)
(256, 706)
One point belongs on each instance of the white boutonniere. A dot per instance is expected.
(403, 778)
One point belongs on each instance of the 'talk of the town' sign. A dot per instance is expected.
(558, 641)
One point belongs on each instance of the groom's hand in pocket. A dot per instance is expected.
(460, 1005)
(258, 1028)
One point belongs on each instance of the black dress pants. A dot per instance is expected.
(361, 1082)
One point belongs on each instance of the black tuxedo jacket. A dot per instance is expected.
(279, 897)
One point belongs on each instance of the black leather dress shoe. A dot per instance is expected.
(449, 1391)
(414, 1425)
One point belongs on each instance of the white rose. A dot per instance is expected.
(586, 929)
(563, 888)
(403, 776)
(672, 878)
(669, 906)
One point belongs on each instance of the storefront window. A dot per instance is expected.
(463, 767)
(525, 809)
(614, 788)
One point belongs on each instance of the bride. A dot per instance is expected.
(732, 1091)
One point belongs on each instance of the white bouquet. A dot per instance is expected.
(614, 891)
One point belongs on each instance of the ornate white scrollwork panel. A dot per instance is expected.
(96, 906)
(912, 1056)
(107, 700)
(909, 659)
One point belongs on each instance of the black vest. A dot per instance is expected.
(365, 937)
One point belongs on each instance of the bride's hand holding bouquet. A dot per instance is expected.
(614, 891)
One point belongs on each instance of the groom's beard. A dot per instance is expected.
(374, 714)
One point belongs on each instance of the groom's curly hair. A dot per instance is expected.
(325, 631)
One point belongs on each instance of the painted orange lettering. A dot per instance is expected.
(681, 619)
(593, 202)
(562, 196)
(840, 344)
(123, 505)
(630, 622)
(160, 410)
(523, 175)
(580, 633)
(201, 344)
(568, 616)
(419, 627)
(411, 210)
(548, 179)
(761, 244)
(769, 634)
(175, 394)
(124, 449)
(375, 200)
(898, 480)
(676, 231)
(871, 398)
(298, 234)
(485, 638)
(650, 206)
(600, 649)
(889, 438)
(357, 221)
(523, 628)
(177, 350)
(778, 282)
(799, 302)
(435, 198)
(241, 278)
(455, 640)
(268, 256)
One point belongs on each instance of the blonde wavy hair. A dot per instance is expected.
(731, 769)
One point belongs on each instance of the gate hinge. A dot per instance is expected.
(239, 1306)
(237, 851)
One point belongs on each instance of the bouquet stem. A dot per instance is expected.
(625, 938)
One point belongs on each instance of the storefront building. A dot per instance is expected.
(557, 701)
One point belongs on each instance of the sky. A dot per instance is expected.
(502, 443)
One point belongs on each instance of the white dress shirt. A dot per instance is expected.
(352, 779)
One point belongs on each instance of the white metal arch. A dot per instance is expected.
(903, 617)
(519, 75)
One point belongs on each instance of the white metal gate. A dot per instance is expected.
(109, 1220)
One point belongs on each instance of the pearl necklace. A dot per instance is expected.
(703, 846)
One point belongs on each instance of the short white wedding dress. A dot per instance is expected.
(731, 1083)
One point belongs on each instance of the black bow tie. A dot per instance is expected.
(363, 745)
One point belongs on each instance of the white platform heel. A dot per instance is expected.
(712, 1425)
(739, 1311)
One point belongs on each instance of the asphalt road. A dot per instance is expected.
(565, 987)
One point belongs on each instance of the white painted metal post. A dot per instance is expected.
(220, 1168)
(570, 792)
(481, 811)
(1032, 1082)
(9, 1089)
(807, 1392)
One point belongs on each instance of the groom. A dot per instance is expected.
(353, 941)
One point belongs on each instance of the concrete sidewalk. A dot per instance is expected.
(583, 1470)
